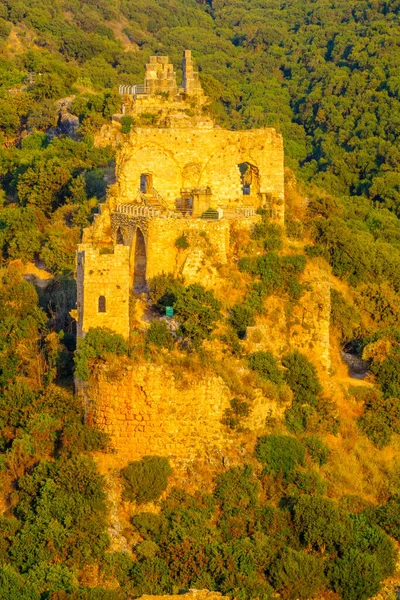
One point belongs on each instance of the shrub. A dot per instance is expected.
(237, 489)
(14, 587)
(368, 537)
(309, 482)
(265, 364)
(301, 376)
(98, 342)
(126, 124)
(388, 374)
(381, 417)
(317, 449)
(148, 524)
(196, 308)
(296, 575)
(182, 242)
(344, 317)
(280, 454)
(238, 409)
(145, 480)
(241, 317)
(320, 524)
(356, 575)
(321, 417)
(151, 576)
(160, 335)
(388, 517)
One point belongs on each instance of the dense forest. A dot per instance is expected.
(326, 75)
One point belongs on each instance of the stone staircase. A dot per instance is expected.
(153, 200)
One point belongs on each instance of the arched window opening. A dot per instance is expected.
(102, 304)
(119, 236)
(146, 183)
(249, 178)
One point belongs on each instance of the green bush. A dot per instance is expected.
(309, 482)
(296, 575)
(145, 480)
(242, 316)
(265, 364)
(381, 417)
(388, 517)
(182, 242)
(159, 335)
(126, 124)
(14, 587)
(320, 524)
(317, 449)
(233, 415)
(344, 317)
(322, 417)
(388, 374)
(368, 537)
(196, 309)
(301, 376)
(98, 342)
(355, 575)
(280, 454)
(150, 576)
(237, 489)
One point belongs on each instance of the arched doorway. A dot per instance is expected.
(139, 268)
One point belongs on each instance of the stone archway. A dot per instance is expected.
(139, 263)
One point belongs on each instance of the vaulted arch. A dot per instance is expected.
(139, 262)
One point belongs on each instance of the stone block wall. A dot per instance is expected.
(150, 410)
(104, 275)
(146, 412)
(181, 158)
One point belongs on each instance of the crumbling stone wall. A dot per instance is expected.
(304, 326)
(178, 158)
(150, 409)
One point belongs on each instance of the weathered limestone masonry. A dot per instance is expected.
(146, 410)
(103, 276)
(179, 159)
(185, 177)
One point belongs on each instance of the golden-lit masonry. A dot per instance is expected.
(176, 174)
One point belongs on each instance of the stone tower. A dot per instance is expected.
(160, 76)
(190, 78)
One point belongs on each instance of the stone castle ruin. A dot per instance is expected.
(181, 175)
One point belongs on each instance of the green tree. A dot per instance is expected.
(145, 480)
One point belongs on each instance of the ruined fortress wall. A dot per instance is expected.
(146, 412)
(162, 253)
(305, 327)
(150, 410)
(187, 158)
(103, 275)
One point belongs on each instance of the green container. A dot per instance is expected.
(169, 311)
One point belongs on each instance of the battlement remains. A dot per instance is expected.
(160, 94)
